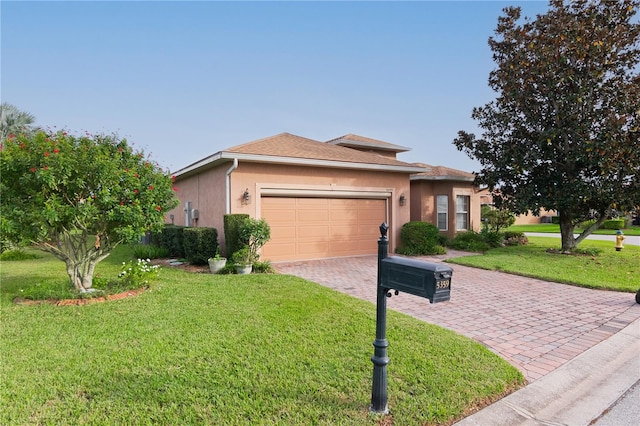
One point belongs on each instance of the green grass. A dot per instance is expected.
(227, 350)
(555, 229)
(609, 269)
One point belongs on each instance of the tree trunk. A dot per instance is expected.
(566, 232)
(79, 256)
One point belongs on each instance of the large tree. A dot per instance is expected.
(78, 197)
(563, 131)
(13, 121)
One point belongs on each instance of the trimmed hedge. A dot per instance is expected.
(200, 244)
(613, 224)
(232, 224)
(420, 238)
(171, 238)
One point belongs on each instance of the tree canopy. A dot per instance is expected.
(563, 131)
(78, 197)
(13, 121)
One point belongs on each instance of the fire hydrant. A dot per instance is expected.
(619, 240)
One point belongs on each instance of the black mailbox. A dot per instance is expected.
(429, 280)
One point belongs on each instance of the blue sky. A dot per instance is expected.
(183, 80)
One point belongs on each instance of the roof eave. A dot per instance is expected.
(224, 156)
(456, 178)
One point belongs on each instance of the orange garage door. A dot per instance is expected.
(313, 228)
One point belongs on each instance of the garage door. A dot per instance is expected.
(313, 228)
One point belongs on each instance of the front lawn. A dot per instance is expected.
(555, 229)
(229, 350)
(609, 269)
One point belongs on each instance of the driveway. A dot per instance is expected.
(535, 325)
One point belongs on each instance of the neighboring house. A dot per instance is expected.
(321, 199)
(447, 198)
(523, 219)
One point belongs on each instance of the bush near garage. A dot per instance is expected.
(420, 238)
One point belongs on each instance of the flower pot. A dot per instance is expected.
(244, 269)
(217, 264)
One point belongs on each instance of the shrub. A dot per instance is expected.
(242, 256)
(613, 224)
(172, 238)
(150, 251)
(420, 238)
(200, 244)
(137, 273)
(232, 224)
(495, 219)
(512, 238)
(254, 233)
(492, 238)
(469, 241)
(17, 254)
(263, 268)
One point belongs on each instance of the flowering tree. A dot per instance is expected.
(564, 130)
(78, 197)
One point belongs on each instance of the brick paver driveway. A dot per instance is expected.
(535, 325)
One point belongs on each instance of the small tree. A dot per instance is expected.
(497, 219)
(254, 233)
(78, 197)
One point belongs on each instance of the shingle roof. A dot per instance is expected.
(292, 146)
(352, 140)
(441, 173)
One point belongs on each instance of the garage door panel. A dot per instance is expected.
(281, 216)
(314, 232)
(321, 227)
(279, 233)
(313, 248)
(344, 215)
(311, 216)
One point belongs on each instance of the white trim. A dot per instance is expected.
(222, 155)
(285, 192)
(444, 177)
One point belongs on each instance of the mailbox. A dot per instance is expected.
(424, 279)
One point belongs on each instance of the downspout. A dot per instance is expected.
(228, 184)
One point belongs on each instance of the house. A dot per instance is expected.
(321, 199)
(447, 198)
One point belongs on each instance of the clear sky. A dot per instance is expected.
(183, 80)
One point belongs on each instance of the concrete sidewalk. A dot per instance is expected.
(576, 393)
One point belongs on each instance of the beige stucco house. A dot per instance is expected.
(447, 198)
(321, 199)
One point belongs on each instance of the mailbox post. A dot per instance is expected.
(428, 280)
(379, 358)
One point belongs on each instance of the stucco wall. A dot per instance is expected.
(207, 191)
(423, 202)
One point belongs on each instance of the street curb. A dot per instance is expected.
(577, 392)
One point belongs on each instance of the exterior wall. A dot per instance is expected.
(207, 191)
(529, 219)
(423, 202)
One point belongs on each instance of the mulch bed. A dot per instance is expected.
(80, 302)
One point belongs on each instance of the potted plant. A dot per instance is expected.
(242, 260)
(217, 262)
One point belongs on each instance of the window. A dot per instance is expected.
(462, 212)
(442, 210)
